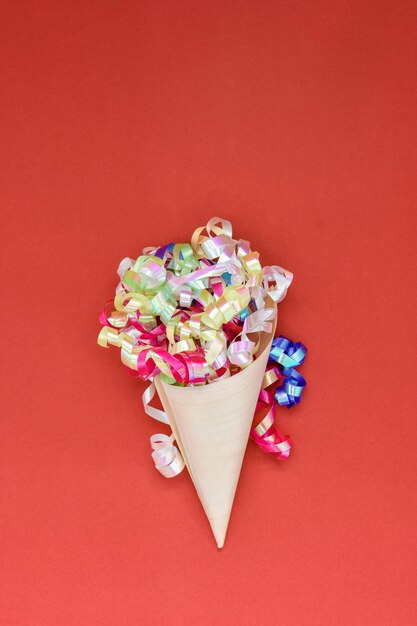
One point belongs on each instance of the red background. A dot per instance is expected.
(128, 124)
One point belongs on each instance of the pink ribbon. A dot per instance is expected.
(266, 434)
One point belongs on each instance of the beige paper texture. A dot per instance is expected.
(211, 424)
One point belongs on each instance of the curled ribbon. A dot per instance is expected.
(266, 434)
(185, 310)
(290, 355)
(287, 353)
(168, 460)
(192, 314)
(290, 392)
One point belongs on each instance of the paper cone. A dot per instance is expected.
(211, 424)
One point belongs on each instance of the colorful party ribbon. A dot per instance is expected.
(192, 313)
(185, 310)
(167, 458)
(290, 355)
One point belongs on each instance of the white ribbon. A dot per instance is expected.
(167, 458)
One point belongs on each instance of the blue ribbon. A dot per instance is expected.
(161, 251)
(290, 355)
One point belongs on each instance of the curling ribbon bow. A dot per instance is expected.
(266, 434)
(167, 458)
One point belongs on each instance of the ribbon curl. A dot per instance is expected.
(167, 458)
(266, 434)
(290, 355)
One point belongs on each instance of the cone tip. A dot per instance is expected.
(219, 532)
